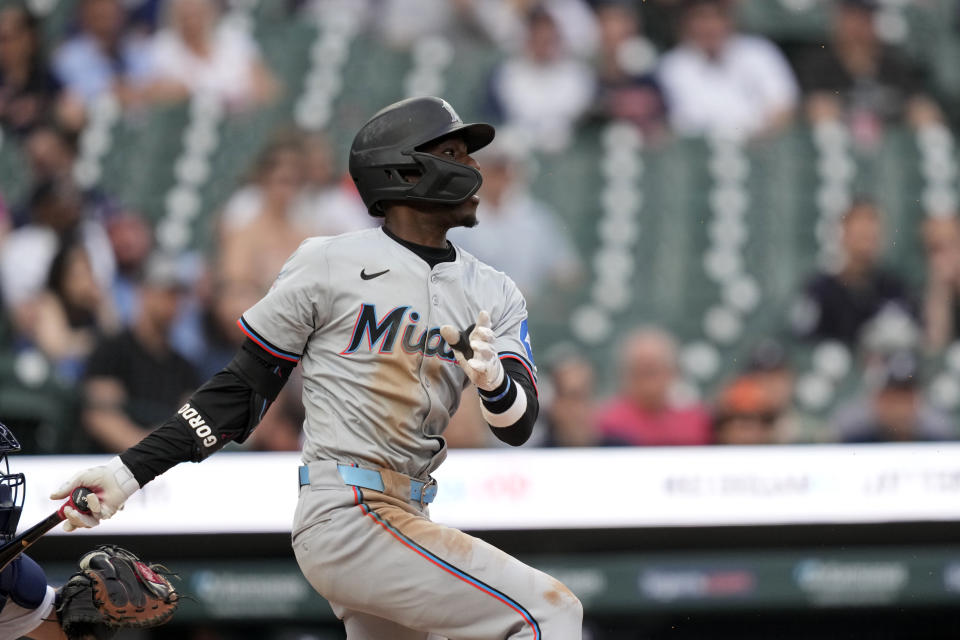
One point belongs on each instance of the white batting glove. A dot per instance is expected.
(111, 484)
(484, 369)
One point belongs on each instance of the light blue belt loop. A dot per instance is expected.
(304, 475)
(422, 492)
(366, 478)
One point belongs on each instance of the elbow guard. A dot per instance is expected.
(232, 403)
(227, 407)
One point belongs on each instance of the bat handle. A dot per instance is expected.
(78, 501)
(463, 344)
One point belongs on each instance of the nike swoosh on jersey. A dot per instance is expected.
(371, 276)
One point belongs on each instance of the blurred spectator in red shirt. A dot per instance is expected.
(29, 91)
(837, 305)
(644, 413)
(544, 91)
(719, 81)
(894, 408)
(745, 414)
(628, 89)
(941, 305)
(856, 77)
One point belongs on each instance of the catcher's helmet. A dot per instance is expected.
(391, 142)
(12, 486)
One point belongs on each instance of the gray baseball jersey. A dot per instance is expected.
(363, 314)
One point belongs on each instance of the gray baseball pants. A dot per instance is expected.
(391, 573)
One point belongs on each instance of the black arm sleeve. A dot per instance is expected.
(516, 380)
(226, 408)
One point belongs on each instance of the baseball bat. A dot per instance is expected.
(12, 549)
(463, 344)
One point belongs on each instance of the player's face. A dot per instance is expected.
(465, 213)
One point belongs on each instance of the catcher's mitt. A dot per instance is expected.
(114, 590)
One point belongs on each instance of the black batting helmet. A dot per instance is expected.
(12, 486)
(390, 144)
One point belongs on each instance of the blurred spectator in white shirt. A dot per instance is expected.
(544, 91)
(504, 23)
(101, 57)
(327, 203)
(717, 81)
(198, 52)
(517, 233)
(403, 22)
(56, 210)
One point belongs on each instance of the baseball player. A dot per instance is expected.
(371, 317)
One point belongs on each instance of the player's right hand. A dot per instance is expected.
(111, 484)
(483, 368)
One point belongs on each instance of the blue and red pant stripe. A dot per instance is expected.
(449, 568)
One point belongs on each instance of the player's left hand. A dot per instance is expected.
(484, 369)
(111, 484)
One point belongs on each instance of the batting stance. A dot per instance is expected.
(371, 316)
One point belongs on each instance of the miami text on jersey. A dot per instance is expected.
(413, 338)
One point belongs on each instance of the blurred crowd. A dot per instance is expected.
(135, 329)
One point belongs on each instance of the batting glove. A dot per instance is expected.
(484, 369)
(111, 484)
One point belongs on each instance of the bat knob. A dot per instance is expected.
(78, 500)
(463, 344)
